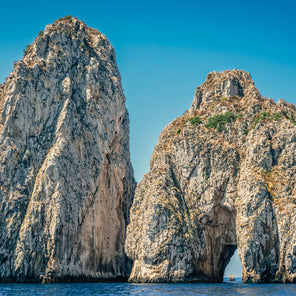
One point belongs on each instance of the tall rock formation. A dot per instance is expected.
(221, 177)
(66, 181)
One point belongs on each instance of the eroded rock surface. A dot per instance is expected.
(66, 181)
(221, 177)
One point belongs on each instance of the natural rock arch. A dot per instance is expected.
(221, 176)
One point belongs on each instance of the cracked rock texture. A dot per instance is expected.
(214, 188)
(66, 181)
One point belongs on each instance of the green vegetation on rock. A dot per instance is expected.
(68, 17)
(218, 121)
(276, 116)
(83, 46)
(292, 119)
(193, 120)
(263, 115)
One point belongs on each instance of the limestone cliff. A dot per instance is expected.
(66, 181)
(221, 177)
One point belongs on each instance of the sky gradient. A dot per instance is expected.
(166, 48)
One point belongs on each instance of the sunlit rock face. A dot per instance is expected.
(221, 177)
(66, 181)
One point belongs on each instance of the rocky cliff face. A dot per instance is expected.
(66, 181)
(221, 177)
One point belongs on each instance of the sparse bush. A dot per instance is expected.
(263, 115)
(68, 17)
(83, 46)
(292, 120)
(276, 116)
(246, 131)
(205, 175)
(265, 173)
(223, 99)
(195, 120)
(178, 131)
(218, 121)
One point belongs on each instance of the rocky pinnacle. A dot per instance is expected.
(66, 181)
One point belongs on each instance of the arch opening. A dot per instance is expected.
(233, 267)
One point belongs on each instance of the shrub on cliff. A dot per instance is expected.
(193, 120)
(263, 115)
(68, 17)
(218, 121)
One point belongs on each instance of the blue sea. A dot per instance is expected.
(222, 289)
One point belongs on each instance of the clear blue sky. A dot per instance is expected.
(166, 48)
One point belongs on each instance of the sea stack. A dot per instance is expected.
(66, 181)
(222, 177)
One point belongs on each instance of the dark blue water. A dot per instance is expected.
(147, 289)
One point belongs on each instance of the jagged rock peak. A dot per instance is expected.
(66, 180)
(68, 44)
(224, 84)
(55, 35)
